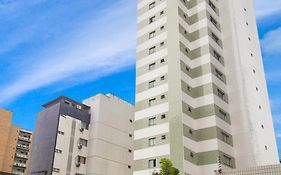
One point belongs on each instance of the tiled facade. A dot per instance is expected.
(261, 170)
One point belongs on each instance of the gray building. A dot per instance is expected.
(59, 138)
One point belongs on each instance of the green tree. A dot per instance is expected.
(166, 168)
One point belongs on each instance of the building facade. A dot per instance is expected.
(60, 139)
(259, 170)
(78, 139)
(15, 146)
(201, 95)
(110, 150)
(22, 153)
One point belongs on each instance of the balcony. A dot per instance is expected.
(23, 156)
(24, 147)
(17, 164)
(24, 139)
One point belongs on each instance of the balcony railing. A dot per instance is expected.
(21, 156)
(22, 146)
(17, 164)
(24, 138)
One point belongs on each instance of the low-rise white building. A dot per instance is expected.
(110, 150)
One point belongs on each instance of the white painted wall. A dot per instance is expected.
(109, 140)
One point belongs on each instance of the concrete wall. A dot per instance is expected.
(110, 148)
(253, 133)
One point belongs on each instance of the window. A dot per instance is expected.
(163, 137)
(225, 137)
(162, 27)
(190, 131)
(152, 66)
(83, 142)
(56, 170)
(162, 44)
(162, 60)
(129, 166)
(217, 55)
(131, 121)
(60, 132)
(162, 13)
(227, 160)
(223, 114)
(162, 78)
(151, 84)
(152, 5)
(191, 154)
(58, 151)
(84, 125)
(130, 135)
(189, 109)
(81, 159)
(152, 101)
(219, 74)
(152, 19)
(152, 163)
(152, 50)
(254, 71)
(265, 147)
(152, 121)
(162, 96)
(262, 126)
(163, 116)
(130, 150)
(215, 38)
(79, 107)
(214, 22)
(221, 94)
(152, 141)
(212, 6)
(152, 34)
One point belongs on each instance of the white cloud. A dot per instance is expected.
(266, 7)
(98, 48)
(271, 50)
(271, 42)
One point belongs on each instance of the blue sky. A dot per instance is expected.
(81, 48)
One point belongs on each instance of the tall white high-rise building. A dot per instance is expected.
(201, 95)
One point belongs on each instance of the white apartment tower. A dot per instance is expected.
(201, 95)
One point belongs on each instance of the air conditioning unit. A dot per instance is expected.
(77, 164)
(79, 146)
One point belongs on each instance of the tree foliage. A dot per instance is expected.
(166, 168)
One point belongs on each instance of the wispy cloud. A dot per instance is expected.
(266, 7)
(97, 48)
(271, 50)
